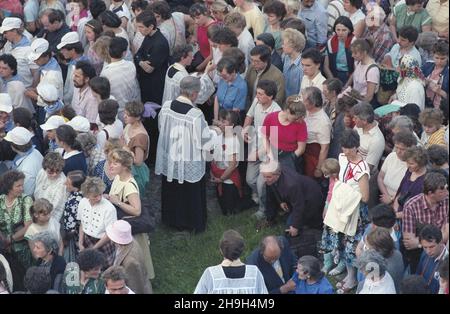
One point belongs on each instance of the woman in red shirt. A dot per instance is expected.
(203, 21)
(285, 133)
(8, 7)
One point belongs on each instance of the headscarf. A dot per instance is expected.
(410, 69)
(375, 16)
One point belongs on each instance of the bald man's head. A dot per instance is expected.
(271, 249)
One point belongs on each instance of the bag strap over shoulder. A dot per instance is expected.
(373, 65)
(122, 198)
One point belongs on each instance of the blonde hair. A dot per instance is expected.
(101, 48)
(221, 6)
(431, 117)
(122, 156)
(235, 19)
(330, 167)
(40, 205)
(294, 38)
(111, 144)
(292, 6)
(92, 186)
(295, 106)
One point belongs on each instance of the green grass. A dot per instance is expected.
(180, 258)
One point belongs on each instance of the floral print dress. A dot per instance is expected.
(19, 213)
(71, 225)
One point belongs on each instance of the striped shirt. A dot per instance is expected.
(417, 211)
(437, 138)
(335, 9)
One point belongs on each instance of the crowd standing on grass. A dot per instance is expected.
(331, 114)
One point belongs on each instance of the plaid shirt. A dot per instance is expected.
(383, 42)
(417, 211)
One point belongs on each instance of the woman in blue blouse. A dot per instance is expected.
(309, 279)
(232, 88)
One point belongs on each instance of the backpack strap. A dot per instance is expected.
(373, 65)
(107, 134)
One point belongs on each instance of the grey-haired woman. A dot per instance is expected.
(309, 279)
(45, 250)
(377, 279)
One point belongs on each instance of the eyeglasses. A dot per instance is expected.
(52, 171)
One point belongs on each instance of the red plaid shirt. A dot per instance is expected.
(383, 40)
(417, 211)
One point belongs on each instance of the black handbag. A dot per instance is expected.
(403, 199)
(139, 224)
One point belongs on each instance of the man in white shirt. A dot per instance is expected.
(115, 281)
(319, 132)
(20, 47)
(262, 105)
(236, 22)
(28, 159)
(371, 144)
(121, 75)
(311, 60)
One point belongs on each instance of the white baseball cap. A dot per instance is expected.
(38, 47)
(48, 92)
(5, 103)
(80, 124)
(19, 136)
(67, 39)
(10, 23)
(52, 123)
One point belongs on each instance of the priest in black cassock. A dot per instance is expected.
(152, 58)
(184, 139)
(152, 61)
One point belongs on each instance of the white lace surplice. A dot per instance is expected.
(183, 139)
(214, 281)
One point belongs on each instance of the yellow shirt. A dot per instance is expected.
(439, 15)
(123, 189)
(254, 19)
(437, 137)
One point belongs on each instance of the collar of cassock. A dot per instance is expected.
(185, 100)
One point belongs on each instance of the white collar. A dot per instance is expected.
(226, 263)
(179, 67)
(185, 100)
(443, 254)
(272, 104)
(72, 153)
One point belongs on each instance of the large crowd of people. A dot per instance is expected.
(332, 114)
